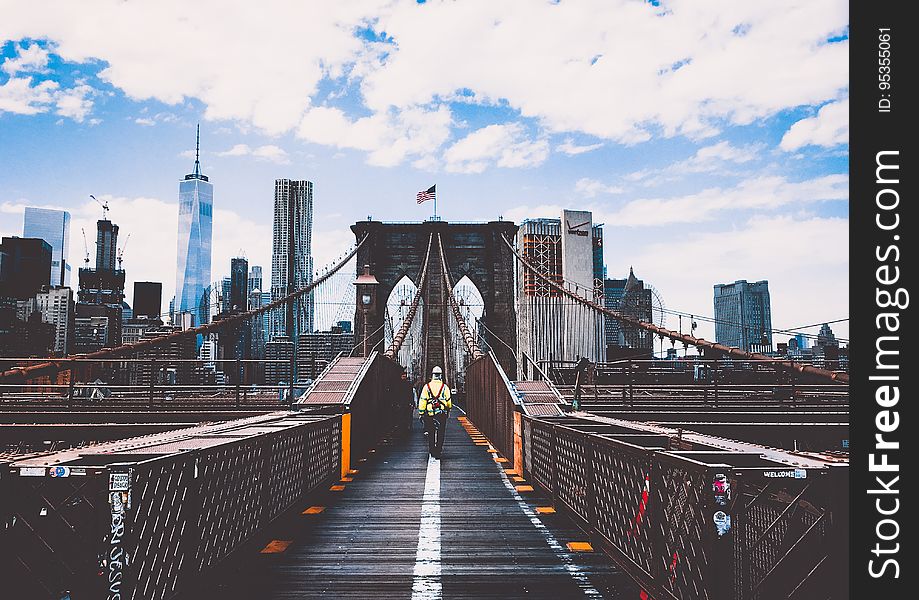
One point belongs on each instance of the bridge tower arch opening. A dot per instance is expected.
(476, 251)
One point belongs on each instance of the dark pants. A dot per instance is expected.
(436, 426)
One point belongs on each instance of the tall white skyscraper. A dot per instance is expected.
(53, 226)
(193, 269)
(292, 255)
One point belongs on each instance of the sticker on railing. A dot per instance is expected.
(119, 482)
(59, 471)
(32, 472)
(795, 474)
(722, 522)
(722, 488)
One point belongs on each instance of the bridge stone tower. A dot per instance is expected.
(476, 250)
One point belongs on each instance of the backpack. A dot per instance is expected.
(436, 403)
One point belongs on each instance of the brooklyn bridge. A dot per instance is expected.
(721, 475)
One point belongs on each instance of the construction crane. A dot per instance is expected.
(104, 206)
(121, 250)
(85, 248)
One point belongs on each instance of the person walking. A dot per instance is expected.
(434, 408)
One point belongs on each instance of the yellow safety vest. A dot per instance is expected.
(432, 403)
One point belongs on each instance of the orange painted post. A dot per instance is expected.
(345, 444)
(518, 443)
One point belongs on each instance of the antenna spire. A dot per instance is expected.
(197, 149)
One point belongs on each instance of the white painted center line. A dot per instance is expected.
(426, 584)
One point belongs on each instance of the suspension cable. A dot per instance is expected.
(680, 337)
(54, 366)
(468, 340)
(399, 336)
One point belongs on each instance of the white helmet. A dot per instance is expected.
(437, 372)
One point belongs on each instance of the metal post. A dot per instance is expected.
(70, 388)
(631, 385)
(715, 381)
(153, 375)
(290, 388)
(238, 378)
(794, 393)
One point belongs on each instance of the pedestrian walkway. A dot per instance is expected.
(405, 525)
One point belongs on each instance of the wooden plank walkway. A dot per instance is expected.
(407, 526)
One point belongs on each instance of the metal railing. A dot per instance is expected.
(146, 518)
(698, 522)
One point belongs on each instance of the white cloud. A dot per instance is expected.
(75, 103)
(829, 127)
(622, 70)
(29, 59)
(145, 121)
(759, 193)
(18, 95)
(714, 158)
(269, 153)
(616, 70)
(27, 96)
(572, 149)
(590, 188)
(502, 145)
(390, 138)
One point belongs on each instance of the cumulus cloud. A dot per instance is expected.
(269, 153)
(76, 102)
(389, 138)
(27, 95)
(759, 194)
(30, 58)
(501, 145)
(618, 70)
(622, 71)
(829, 127)
(20, 95)
(589, 188)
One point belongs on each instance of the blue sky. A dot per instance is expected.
(710, 138)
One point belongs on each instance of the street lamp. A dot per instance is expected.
(366, 295)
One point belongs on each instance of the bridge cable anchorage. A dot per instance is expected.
(468, 339)
(53, 367)
(681, 337)
(399, 337)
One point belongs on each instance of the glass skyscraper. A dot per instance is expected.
(743, 315)
(292, 255)
(53, 226)
(193, 269)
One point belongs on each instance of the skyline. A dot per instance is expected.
(734, 168)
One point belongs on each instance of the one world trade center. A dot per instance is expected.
(193, 269)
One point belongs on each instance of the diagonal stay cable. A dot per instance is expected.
(468, 340)
(54, 366)
(399, 336)
(681, 337)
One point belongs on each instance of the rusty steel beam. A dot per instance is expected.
(17, 374)
(681, 337)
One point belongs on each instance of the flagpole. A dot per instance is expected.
(435, 207)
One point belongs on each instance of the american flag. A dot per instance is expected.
(425, 195)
